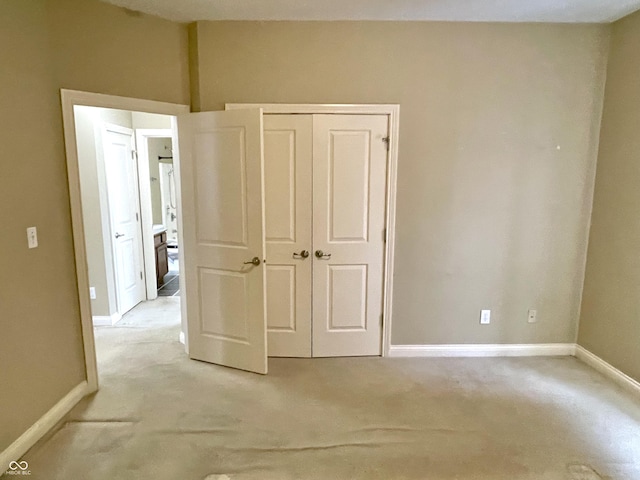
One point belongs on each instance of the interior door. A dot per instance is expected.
(288, 205)
(221, 162)
(124, 213)
(349, 185)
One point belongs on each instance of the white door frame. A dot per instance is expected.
(393, 112)
(142, 146)
(69, 99)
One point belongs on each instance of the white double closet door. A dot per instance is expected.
(325, 196)
(283, 219)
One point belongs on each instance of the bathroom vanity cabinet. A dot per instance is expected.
(162, 259)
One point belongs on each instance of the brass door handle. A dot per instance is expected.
(254, 261)
(321, 254)
(302, 254)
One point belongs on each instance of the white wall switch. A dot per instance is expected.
(485, 317)
(32, 237)
(92, 293)
(532, 316)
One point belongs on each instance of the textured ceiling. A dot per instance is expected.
(556, 11)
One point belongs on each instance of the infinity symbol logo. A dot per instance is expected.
(18, 465)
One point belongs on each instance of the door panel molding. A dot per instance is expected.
(393, 112)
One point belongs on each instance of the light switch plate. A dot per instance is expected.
(485, 317)
(32, 237)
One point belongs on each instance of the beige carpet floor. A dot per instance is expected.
(159, 415)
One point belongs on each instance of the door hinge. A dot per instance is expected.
(382, 319)
(384, 235)
(387, 142)
(140, 275)
(137, 219)
(134, 154)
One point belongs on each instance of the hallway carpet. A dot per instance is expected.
(159, 415)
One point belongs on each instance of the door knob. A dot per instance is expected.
(254, 261)
(118, 235)
(302, 254)
(321, 254)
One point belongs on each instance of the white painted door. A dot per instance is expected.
(124, 212)
(349, 185)
(288, 205)
(221, 171)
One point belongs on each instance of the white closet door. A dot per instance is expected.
(349, 183)
(221, 162)
(288, 204)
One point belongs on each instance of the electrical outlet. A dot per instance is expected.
(485, 317)
(92, 293)
(532, 316)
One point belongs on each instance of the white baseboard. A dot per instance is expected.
(487, 350)
(49, 420)
(607, 369)
(106, 320)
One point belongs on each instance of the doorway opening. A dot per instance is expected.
(125, 205)
(156, 150)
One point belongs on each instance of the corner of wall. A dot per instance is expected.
(194, 66)
(596, 129)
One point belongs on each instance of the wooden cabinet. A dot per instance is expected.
(162, 259)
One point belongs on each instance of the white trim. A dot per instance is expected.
(310, 108)
(393, 111)
(178, 184)
(146, 214)
(69, 99)
(42, 426)
(182, 338)
(608, 370)
(106, 320)
(484, 350)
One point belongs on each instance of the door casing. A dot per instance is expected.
(393, 112)
(70, 99)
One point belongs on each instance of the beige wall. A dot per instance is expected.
(46, 45)
(610, 320)
(497, 147)
(101, 48)
(41, 356)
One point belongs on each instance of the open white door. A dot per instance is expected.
(221, 163)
